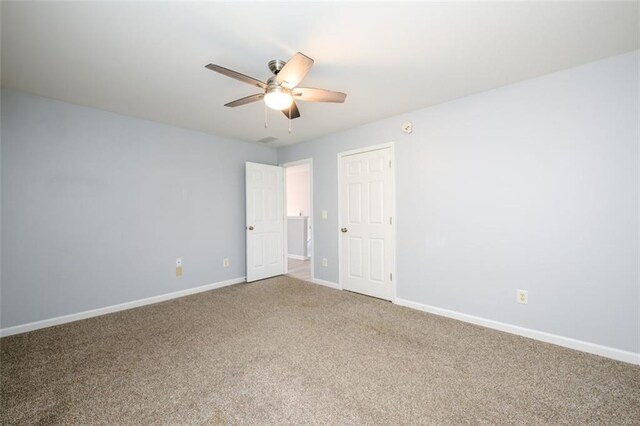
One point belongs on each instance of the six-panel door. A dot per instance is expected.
(366, 223)
(265, 221)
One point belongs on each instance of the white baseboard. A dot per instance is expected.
(567, 342)
(326, 283)
(23, 328)
(295, 256)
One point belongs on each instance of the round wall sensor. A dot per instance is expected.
(407, 127)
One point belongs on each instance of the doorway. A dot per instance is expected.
(367, 227)
(299, 221)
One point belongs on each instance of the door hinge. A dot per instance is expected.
(390, 277)
(390, 220)
(389, 163)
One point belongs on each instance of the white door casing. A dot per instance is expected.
(265, 221)
(367, 236)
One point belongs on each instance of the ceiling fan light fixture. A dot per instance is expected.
(281, 91)
(278, 98)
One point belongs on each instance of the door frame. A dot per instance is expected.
(308, 161)
(394, 224)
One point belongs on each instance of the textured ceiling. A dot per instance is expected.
(147, 59)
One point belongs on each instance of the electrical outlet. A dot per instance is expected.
(178, 262)
(522, 296)
(325, 262)
(225, 263)
(179, 267)
(324, 214)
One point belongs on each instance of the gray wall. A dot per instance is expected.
(531, 186)
(297, 235)
(97, 206)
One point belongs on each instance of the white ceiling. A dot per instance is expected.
(147, 59)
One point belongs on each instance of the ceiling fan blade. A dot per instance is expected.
(245, 100)
(310, 94)
(295, 113)
(238, 76)
(294, 70)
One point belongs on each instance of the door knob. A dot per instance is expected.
(343, 229)
(251, 228)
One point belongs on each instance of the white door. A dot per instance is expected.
(265, 221)
(366, 230)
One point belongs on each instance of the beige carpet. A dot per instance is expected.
(283, 351)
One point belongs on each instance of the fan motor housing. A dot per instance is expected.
(273, 87)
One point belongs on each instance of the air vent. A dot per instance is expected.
(267, 139)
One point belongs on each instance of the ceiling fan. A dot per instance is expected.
(280, 90)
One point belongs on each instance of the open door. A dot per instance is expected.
(265, 221)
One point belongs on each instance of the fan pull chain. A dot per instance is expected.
(265, 115)
(290, 117)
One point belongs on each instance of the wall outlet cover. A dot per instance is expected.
(225, 262)
(325, 261)
(178, 262)
(522, 296)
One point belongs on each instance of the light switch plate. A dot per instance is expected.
(324, 214)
